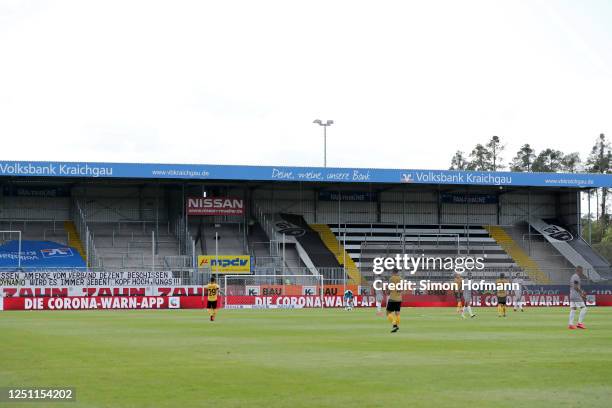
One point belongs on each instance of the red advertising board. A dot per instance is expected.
(215, 206)
(70, 291)
(190, 298)
(490, 300)
(293, 302)
(103, 303)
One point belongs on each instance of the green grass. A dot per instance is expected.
(310, 358)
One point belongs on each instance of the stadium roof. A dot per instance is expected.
(149, 171)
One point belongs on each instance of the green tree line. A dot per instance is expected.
(489, 157)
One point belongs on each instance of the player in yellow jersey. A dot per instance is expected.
(212, 292)
(394, 302)
(458, 292)
(501, 296)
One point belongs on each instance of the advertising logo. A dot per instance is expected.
(287, 228)
(406, 178)
(557, 233)
(215, 206)
(226, 263)
(56, 252)
(174, 303)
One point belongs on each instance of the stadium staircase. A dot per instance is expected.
(336, 248)
(74, 240)
(521, 258)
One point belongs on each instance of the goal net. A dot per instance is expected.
(272, 291)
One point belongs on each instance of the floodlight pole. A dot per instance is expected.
(324, 146)
(325, 125)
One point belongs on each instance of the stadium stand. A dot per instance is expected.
(226, 238)
(538, 256)
(142, 223)
(339, 251)
(505, 240)
(40, 230)
(364, 242)
(133, 244)
(310, 241)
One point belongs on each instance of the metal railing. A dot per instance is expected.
(267, 224)
(16, 223)
(87, 238)
(141, 224)
(399, 231)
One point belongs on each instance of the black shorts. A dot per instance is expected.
(394, 306)
(211, 304)
(458, 295)
(501, 300)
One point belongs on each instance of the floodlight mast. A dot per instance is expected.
(325, 125)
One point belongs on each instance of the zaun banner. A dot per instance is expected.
(61, 278)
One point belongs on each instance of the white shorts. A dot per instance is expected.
(579, 305)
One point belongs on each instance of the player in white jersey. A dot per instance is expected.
(518, 293)
(467, 298)
(577, 300)
(379, 299)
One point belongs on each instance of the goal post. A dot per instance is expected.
(273, 291)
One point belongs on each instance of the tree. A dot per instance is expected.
(600, 161)
(548, 161)
(459, 162)
(480, 159)
(601, 236)
(524, 159)
(571, 162)
(495, 148)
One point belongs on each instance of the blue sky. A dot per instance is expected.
(238, 82)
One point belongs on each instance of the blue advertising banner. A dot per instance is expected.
(305, 174)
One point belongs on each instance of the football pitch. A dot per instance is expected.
(310, 358)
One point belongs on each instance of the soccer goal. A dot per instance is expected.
(272, 291)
